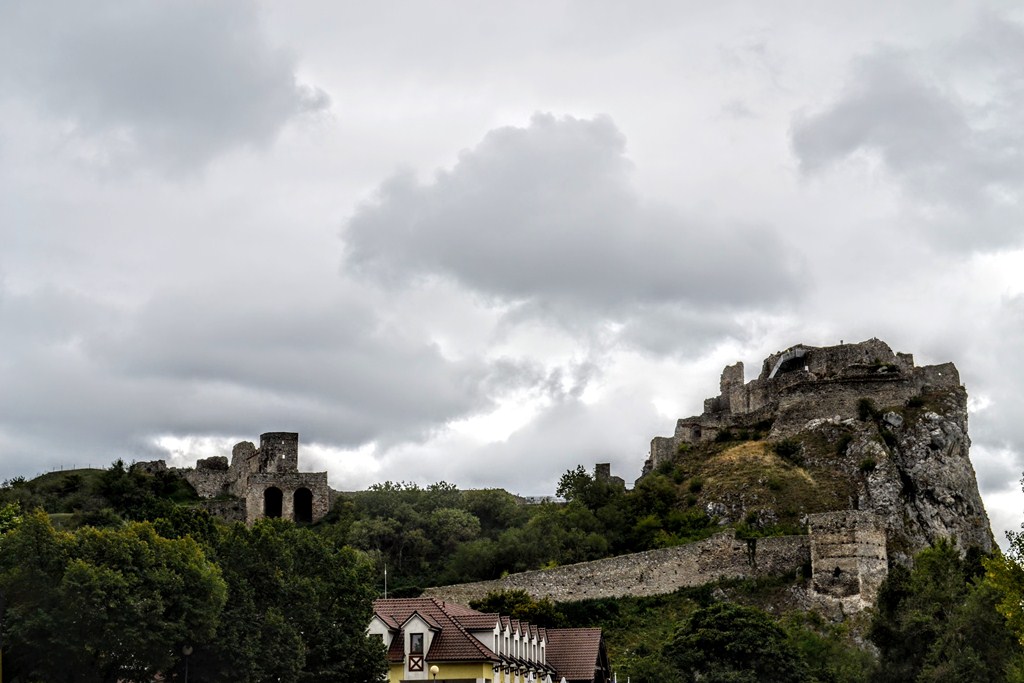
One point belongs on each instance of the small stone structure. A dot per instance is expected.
(258, 482)
(848, 556)
(851, 541)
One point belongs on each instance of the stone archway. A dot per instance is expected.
(303, 505)
(272, 502)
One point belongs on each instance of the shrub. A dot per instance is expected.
(789, 450)
(867, 465)
(843, 443)
(866, 409)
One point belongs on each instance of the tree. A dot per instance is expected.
(519, 604)
(10, 517)
(103, 605)
(938, 621)
(729, 642)
(1006, 575)
(297, 609)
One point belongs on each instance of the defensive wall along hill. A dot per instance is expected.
(888, 437)
(843, 551)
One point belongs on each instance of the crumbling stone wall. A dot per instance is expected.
(289, 483)
(848, 555)
(844, 550)
(803, 383)
(251, 472)
(653, 572)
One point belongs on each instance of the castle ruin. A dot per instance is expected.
(262, 482)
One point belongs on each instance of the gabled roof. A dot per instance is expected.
(451, 643)
(574, 652)
(389, 622)
(427, 619)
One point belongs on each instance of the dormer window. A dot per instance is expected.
(415, 652)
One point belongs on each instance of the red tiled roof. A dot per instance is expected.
(389, 622)
(574, 652)
(453, 642)
(478, 622)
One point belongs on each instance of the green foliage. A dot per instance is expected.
(102, 605)
(102, 498)
(867, 465)
(827, 649)
(938, 622)
(518, 604)
(790, 450)
(10, 517)
(729, 642)
(866, 410)
(297, 609)
(1005, 573)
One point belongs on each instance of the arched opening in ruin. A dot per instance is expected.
(272, 499)
(303, 505)
(789, 361)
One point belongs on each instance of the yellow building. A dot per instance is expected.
(468, 646)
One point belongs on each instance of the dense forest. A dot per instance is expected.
(124, 573)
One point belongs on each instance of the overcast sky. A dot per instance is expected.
(486, 242)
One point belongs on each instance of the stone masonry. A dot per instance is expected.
(803, 383)
(853, 542)
(260, 482)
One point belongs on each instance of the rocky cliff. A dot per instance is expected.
(854, 426)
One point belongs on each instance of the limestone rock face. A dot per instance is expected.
(865, 428)
(924, 485)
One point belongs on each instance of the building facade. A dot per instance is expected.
(467, 646)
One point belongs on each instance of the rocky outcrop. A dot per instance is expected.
(889, 438)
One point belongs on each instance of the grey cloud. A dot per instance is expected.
(959, 158)
(547, 214)
(168, 83)
(82, 380)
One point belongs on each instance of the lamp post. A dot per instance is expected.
(433, 671)
(187, 651)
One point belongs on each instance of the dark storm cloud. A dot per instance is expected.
(943, 121)
(547, 214)
(170, 83)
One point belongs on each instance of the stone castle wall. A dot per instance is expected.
(848, 554)
(252, 474)
(653, 572)
(804, 383)
(844, 551)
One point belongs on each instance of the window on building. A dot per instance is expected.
(416, 643)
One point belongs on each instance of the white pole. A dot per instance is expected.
(385, 580)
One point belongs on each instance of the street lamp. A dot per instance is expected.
(433, 671)
(187, 651)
